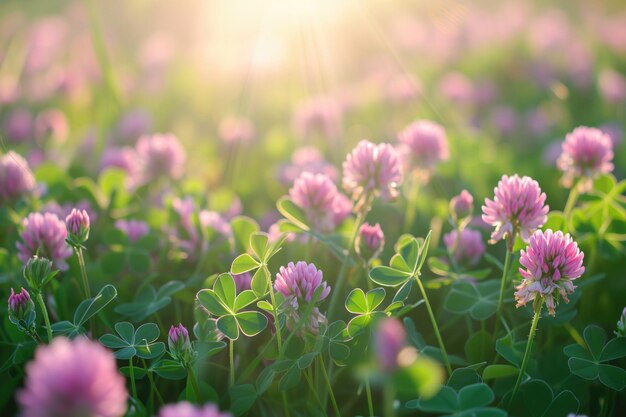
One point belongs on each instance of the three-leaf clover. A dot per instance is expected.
(479, 300)
(470, 401)
(222, 301)
(404, 265)
(130, 342)
(364, 306)
(536, 399)
(149, 301)
(263, 252)
(590, 362)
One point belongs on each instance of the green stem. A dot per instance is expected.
(33, 333)
(505, 273)
(285, 404)
(44, 313)
(232, 362)
(314, 391)
(153, 386)
(194, 384)
(330, 389)
(389, 395)
(531, 336)
(275, 309)
(341, 278)
(133, 387)
(569, 206)
(368, 390)
(435, 327)
(83, 272)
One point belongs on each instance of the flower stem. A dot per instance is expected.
(194, 384)
(152, 385)
(275, 309)
(232, 362)
(435, 327)
(83, 272)
(314, 391)
(531, 336)
(33, 333)
(569, 206)
(505, 273)
(44, 313)
(330, 389)
(131, 370)
(341, 278)
(368, 390)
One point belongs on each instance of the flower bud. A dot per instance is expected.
(179, 344)
(77, 223)
(370, 241)
(621, 325)
(38, 272)
(21, 309)
(461, 206)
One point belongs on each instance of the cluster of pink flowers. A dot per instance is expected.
(549, 265)
(161, 155)
(425, 145)
(466, 246)
(586, 153)
(134, 229)
(517, 208)
(16, 178)
(372, 170)
(298, 282)
(324, 206)
(44, 234)
(73, 379)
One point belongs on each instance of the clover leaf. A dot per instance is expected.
(471, 400)
(364, 306)
(149, 301)
(404, 265)
(222, 301)
(536, 399)
(85, 310)
(263, 251)
(479, 300)
(590, 362)
(130, 342)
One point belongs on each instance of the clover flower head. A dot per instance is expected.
(73, 378)
(77, 223)
(389, 339)
(550, 264)
(466, 246)
(44, 234)
(518, 208)
(462, 205)
(298, 283)
(372, 169)
(370, 241)
(425, 144)
(16, 178)
(586, 153)
(161, 155)
(317, 195)
(306, 159)
(134, 229)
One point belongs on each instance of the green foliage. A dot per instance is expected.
(404, 265)
(591, 361)
(129, 342)
(148, 301)
(85, 310)
(470, 400)
(479, 300)
(224, 303)
(536, 399)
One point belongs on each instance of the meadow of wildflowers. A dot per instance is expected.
(312, 208)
